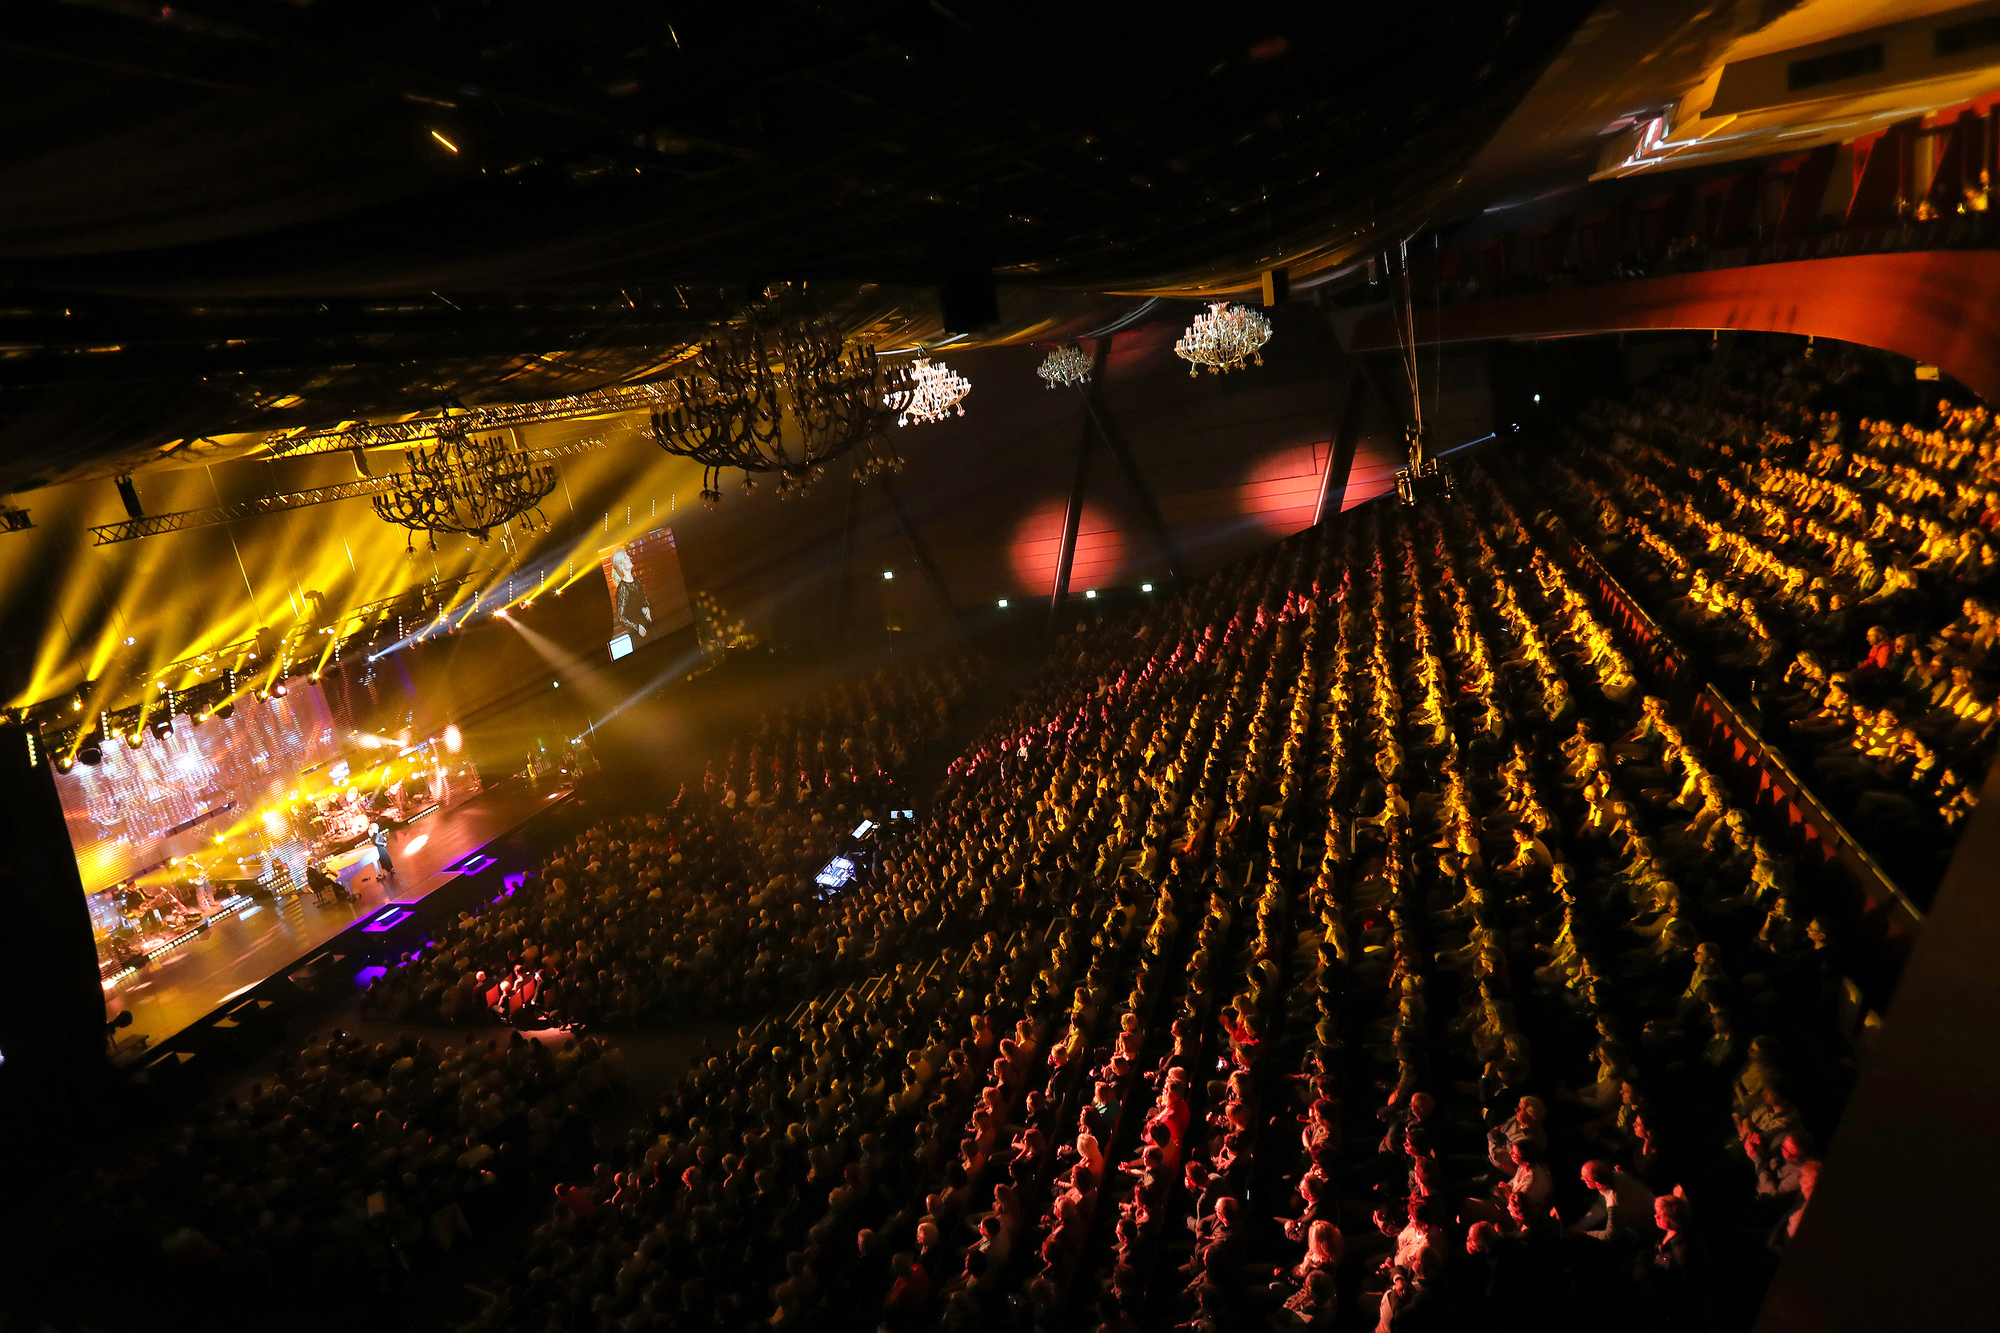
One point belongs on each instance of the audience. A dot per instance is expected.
(1347, 938)
(1843, 576)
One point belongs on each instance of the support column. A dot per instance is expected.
(846, 570)
(1079, 479)
(918, 552)
(1149, 508)
(1340, 448)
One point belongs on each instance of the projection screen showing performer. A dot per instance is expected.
(649, 595)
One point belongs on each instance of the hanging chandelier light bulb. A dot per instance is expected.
(1068, 366)
(1226, 338)
(936, 392)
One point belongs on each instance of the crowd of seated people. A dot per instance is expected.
(1347, 943)
(369, 1163)
(700, 908)
(348, 1170)
(1846, 575)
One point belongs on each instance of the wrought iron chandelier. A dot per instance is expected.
(936, 392)
(467, 484)
(1224, 339)
(1068, 365)
(785, 398)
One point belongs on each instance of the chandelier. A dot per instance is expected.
(467, 484)
(1068, 365)
(785, 398)
(936, 392)
(1223, 339)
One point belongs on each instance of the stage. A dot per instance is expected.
(236, 953)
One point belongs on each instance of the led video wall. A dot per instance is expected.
(141, 806)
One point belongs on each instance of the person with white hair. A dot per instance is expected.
(626, 592)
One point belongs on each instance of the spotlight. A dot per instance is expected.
(90, 752)
(1145, 587)
(64, 763)
(281, 689)
(76, 702)
(1003, 603)
(135, 737)
(228, 707)
(163, 726)
(264, 694)
(1091, 593)
(888, 573)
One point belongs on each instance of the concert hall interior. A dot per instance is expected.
(940, 665)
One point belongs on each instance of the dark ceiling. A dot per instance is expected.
(233, 215)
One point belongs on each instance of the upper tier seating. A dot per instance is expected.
(1841, 576)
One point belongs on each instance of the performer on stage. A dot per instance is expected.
(380, 837)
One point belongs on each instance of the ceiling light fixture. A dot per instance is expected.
(467, 484)
(784, 397)
(1068, 366)
(1226, 338)
(936, 392)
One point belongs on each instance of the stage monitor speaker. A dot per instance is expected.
(968, 300)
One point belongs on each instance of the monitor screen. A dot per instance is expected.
(838, 871)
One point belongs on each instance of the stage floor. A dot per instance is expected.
(236, 953)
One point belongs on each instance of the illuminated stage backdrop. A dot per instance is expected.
(649, 594)
(125, 813)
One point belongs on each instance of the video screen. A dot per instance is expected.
(165, 798)
(649, 596)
